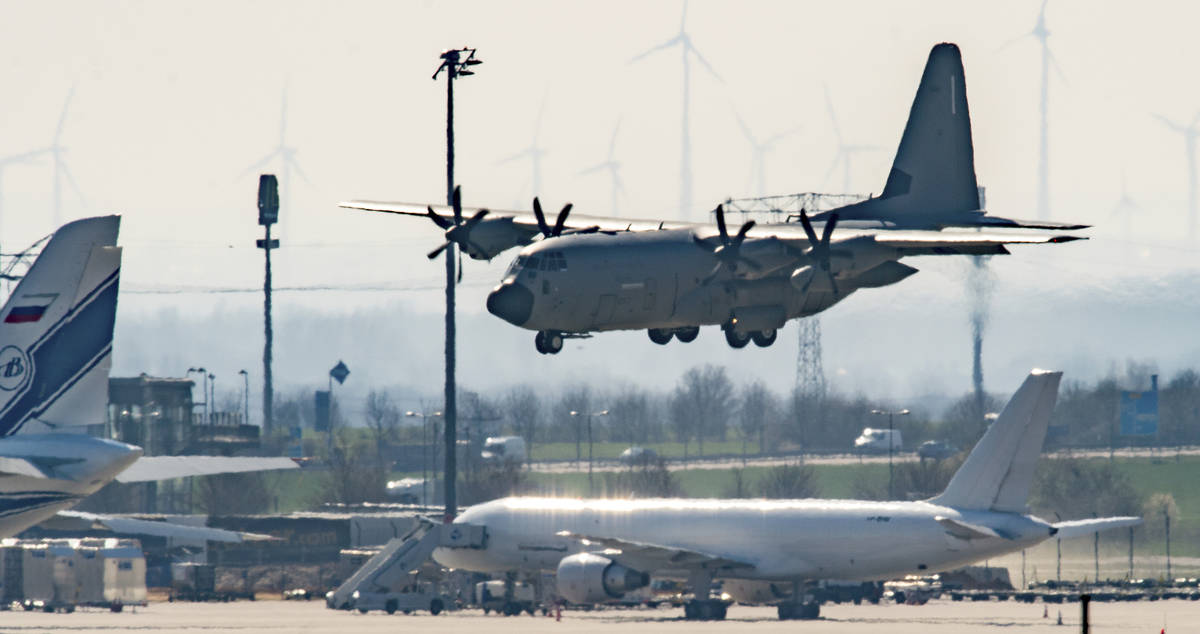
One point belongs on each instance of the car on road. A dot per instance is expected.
(936, 450)
(879, 440)
(638, 456)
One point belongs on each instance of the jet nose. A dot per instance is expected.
(511, 302)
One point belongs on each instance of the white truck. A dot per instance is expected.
(410, 598)
(500, 449)
(879, 440)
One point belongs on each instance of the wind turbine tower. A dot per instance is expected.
(612, 166)
(1042, 35)
(758, 154)
(686, 50)
(61, 172)
(1190, 133)
(846, 151)
(286, 155)
(534, 151)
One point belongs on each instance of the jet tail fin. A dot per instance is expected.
(932, 180)
(57, 328)
(999, 470)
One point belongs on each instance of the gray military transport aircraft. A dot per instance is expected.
(585, 274)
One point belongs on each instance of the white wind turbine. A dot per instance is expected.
(613, 167)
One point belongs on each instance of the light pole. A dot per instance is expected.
(212, 393)
(891, 443)
(268, 214)
(245, 396)
(589, 416)
(456, 63)
(425, 467)
(203, 386)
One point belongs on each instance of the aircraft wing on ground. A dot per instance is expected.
(149, 468)
(643, 556)
(1080, 528)
(81, 521)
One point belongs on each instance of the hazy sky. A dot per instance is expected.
(173, 101)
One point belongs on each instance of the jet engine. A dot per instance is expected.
(587, 578)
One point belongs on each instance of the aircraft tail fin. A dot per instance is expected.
(56, 331)
(932, 180)
(999, 470)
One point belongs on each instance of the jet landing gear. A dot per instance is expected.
(548, 341)
(662, 336)
(761, 338)
(707, 610)
(799, 611)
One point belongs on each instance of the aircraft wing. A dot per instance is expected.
(78, 520)
(1080, 528)
(149, 468)
(525, 219)
(643, 556)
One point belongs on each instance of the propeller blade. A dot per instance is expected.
(541, 217)
(562, 219)
(808, 229)
(456, 201)
(460, 267)
(833, 283)
(754, 265)
(712, 274)
(438, 251)
(704, 244)
(720, 211)
(828, 233)
(438, 220)
(741, 234)
(474, 220)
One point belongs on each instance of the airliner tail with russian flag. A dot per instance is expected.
(56, 331)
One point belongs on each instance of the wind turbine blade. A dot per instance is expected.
(593, 169)
(703, 61)
(780, 136)
(283, 116)
(259, 164)
(71, 181)
(62, 118)
(612, 143)
(668, 44)
(837, 160)
(1170, 124)
(745, 129)
(837, 132)
(519, 155)
(1013, 41)
(537, 126)
(299, 171)
(1195, 119)
(1057, 69)
(683, 16)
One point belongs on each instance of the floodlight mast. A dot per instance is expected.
(456, 63)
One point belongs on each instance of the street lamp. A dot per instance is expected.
(457, 63)
(424, 452)
(203, 387)
(212, 393)
(245, 396)
(891, 443)
(589, 416)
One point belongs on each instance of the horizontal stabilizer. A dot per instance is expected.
(77, 520)
(1081, 528)
(149, 468)
(21, 467)
(967, 530)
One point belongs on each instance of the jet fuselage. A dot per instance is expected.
(782, 539)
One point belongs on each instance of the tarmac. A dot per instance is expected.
(936, 617)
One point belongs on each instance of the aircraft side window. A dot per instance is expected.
(534, 262)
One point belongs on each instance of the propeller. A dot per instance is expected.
(820, 251)
(457, 231)
(728, 253)
(559, 223)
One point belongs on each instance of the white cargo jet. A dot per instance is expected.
(587, 274)
(56, 333)
(601, 549)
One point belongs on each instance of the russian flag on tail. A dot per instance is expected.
(31, 309)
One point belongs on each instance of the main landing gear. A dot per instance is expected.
(799, 611)
(548, 341)
(662, 336)
(707, 610)
(761, 338)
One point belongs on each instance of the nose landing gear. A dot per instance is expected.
(548, 341)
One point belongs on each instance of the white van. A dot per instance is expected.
(879, 440)
(504, 449)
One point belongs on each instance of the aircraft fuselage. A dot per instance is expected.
(782, 539)
(644, 280)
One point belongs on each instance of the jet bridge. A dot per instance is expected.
(394, 565)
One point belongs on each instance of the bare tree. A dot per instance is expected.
(629, 416)
(789, 481)
(383, 418)
(706, 394)
(524, 411)
(756, 408)
(682, 413)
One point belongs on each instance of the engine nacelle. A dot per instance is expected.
(494, 235)
(802, 276)
(587, 578)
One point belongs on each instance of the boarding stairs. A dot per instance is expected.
(395, 563)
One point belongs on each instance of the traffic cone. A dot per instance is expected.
(558, 613)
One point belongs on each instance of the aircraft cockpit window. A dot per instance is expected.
(534, 263)
(556, 261)
(517, 265)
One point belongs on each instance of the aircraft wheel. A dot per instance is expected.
(539, 342)
(736, 339)
(435, 607)
(553, 342)
(660, 336)
(764, 338)
(390, 606)
(687, 335)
